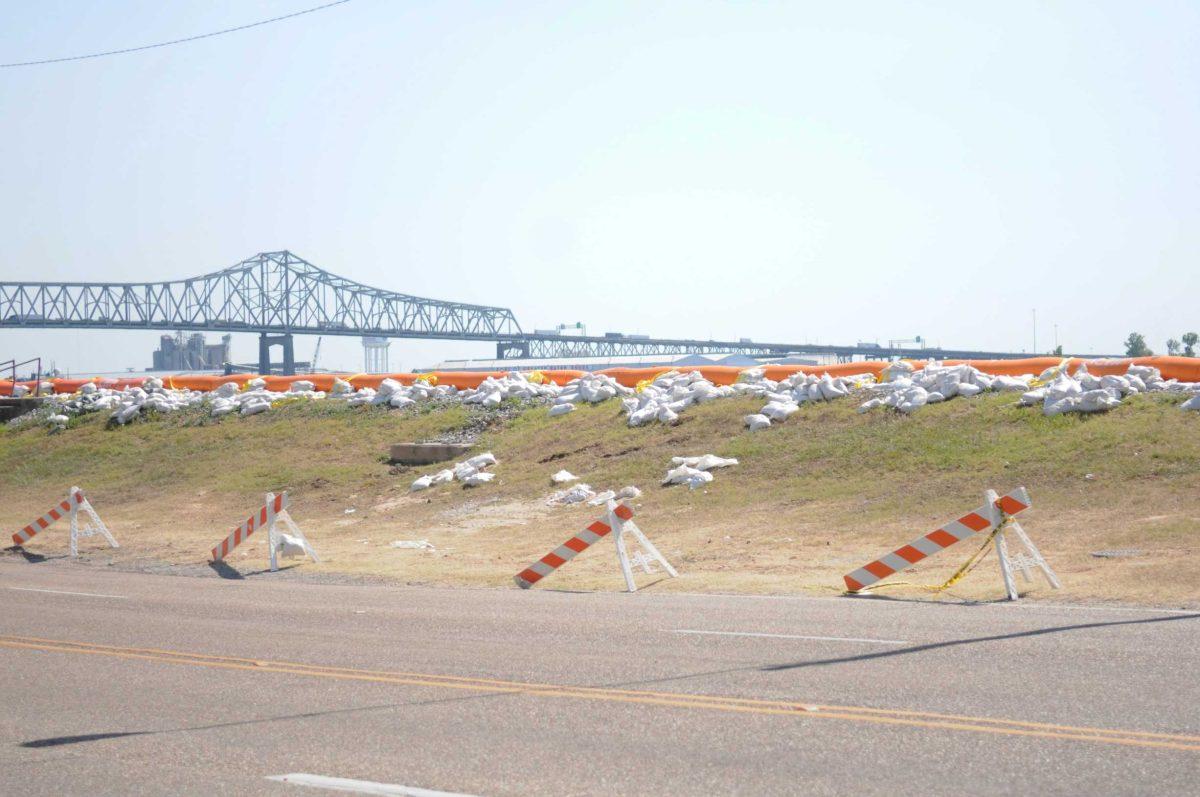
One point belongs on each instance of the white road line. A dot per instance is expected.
(359, 786)
(64, 592)
(793, 636)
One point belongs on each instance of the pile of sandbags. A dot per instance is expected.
(668, 395)
(514, 385)
(129, 403)
(470, 472)
(695, 471)
(907, 390)
(785, 397)
(587, 389)
(1084, 392)
(584, 493)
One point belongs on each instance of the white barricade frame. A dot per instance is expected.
(273, 513)
(75, 503)
(618, 521)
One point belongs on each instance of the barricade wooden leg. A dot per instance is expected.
(618, 527)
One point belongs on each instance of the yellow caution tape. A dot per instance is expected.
(537, 378)
(642, 385)
(429, 379)
(972, 562)
(1055, 372)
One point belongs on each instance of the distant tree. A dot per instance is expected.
(1173, 347)
(1135, 345)
(1057, 351)
(1189, 344)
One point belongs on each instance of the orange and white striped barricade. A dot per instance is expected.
(618, 518)
(76, 502)
(996, 514)
(274, 511)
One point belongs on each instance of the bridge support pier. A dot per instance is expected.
(265, 343)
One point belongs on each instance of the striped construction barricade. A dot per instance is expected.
(274, 512)
(75, 503)
(996, 516)
(618, 519)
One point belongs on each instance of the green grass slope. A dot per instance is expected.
(813, 497)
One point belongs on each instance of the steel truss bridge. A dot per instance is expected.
(278, 295)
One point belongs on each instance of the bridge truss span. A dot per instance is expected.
(272, 292)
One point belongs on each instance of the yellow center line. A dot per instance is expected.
(900, 717)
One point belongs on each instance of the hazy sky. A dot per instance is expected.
(782, 171)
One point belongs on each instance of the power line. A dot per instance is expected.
(176, 41)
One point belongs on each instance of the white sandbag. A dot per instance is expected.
(389, 386)
(643, 416)
(779, 411)
(705, 462)
(1032, 397)
(423, 483)
(563, 476)
(480, 461)
(1010, 383)
(756, 422)
(870, 404)
(476, 479)
(575, 495)
(685, 475)
(255, 406)
(561, 409)
(1065, 404)
(219, 410)
(421, 545)
(442, 477)
(628, 493)
(601, 498)
(290, 547)
(1098, 401)
(1191, 404)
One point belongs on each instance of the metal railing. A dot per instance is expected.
(12, 365)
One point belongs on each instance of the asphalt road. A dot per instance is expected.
(122, 683)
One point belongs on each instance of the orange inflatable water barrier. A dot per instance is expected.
(1184, 369)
